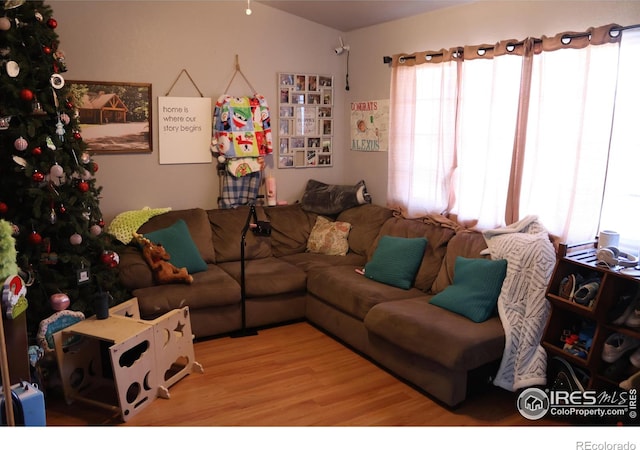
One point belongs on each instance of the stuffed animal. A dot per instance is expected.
(158, 260)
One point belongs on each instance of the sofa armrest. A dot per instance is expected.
(134, 272)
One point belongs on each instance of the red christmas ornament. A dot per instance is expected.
(77, 136)
(38, 177)
(110, 258)
(68, 104)
(101, 223)
(35, 238)
(83, 186)
(95, 166)
(26, 94)
(46, 50)
(3, 208)
(36, 151)
(62, 209)
(52, 23)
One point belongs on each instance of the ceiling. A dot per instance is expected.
(351, 15)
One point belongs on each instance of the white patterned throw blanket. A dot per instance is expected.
(522, 305)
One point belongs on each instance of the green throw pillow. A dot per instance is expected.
(396, 261)
(476, 286)
(177, 241)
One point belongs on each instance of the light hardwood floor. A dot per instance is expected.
(294, 375)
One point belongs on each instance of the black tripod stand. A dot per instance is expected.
(259, 228)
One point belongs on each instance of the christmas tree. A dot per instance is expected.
(48, 189)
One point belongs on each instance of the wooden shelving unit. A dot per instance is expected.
(568, 315)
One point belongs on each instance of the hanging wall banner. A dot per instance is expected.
(370, 126)
(184, 130)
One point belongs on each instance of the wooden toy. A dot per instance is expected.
(123, 363)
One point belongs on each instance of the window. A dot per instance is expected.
(543, 127)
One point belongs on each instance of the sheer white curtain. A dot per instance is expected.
(621, 204)
(487, 117)
(422, 130)
(568, 130)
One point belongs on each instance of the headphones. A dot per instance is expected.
(611, 257)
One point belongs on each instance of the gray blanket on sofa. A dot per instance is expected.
(522, 305)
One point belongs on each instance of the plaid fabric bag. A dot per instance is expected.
(237, 191)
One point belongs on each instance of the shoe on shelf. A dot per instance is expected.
(586, 293)
(617, 345)
(633, 320)
(568, 287)
(635, 358)
(623, 309)
(632, 382)
(565, 377)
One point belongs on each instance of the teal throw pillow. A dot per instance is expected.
(177, 241)
(476, 286)
(396, 261)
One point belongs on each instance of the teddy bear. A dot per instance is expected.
(157, 258)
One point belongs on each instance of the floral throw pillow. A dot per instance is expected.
(328, 237)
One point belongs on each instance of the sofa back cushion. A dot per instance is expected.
(437, 231)
(366, 221)
(198, 224)
(290, 228)
(226, 227)
(465, 243)
(396, 261)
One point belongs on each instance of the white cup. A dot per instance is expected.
(608, 238)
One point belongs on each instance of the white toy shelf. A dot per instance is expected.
(123, 363)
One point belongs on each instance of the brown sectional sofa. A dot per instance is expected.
(438, 351)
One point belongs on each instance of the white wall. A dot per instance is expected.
(152, 41)
(484, 22)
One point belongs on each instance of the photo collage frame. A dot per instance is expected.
(305, 116)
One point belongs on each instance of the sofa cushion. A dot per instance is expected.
(331, 199)
(290, 228)
(465, 243)
(267, 276)
(449, 339)
(436, 231)
(475, 289)
(198, 224)
(126, 223)
(226, 227)
(313, 261)
(211, 288)
(396, 261)
(366, 221)
(352, 293)
(178, 243)
(329, 237)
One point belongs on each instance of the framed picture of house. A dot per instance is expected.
(115, 117)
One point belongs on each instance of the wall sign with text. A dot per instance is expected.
(184, 130)
(305, 115)
(370, 126)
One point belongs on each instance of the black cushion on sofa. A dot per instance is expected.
(331, 199)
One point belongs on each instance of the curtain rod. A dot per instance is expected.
(388, 59)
